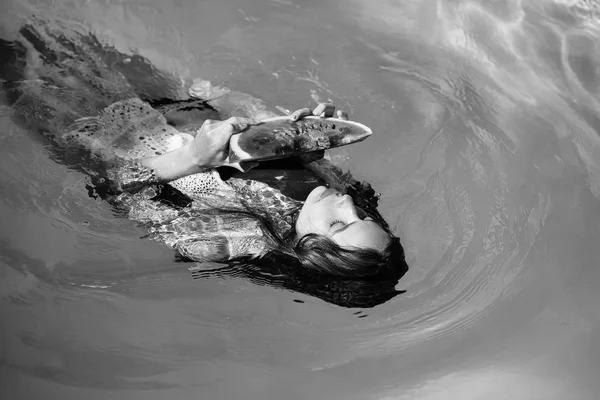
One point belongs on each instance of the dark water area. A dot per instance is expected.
(486, 150)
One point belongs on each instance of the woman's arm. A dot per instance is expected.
(173, 165)
(208, 149)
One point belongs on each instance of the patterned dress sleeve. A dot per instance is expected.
(130, 176)
(277, 208)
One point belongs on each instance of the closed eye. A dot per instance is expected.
(342, 227)
(336, 222)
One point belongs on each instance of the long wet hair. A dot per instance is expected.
(316, 265)
(321, 253)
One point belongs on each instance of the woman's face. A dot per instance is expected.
(328, 212)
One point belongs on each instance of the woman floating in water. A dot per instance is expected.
(334, 244)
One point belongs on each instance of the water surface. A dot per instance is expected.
(486, 150)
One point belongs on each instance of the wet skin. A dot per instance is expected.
(331, 213)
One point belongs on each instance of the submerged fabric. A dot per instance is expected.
(62, 82)
(215, 225)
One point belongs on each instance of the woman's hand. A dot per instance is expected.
(210, 147)
(324, 110)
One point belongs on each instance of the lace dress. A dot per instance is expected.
(217, 225)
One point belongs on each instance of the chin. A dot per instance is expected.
(314, 194)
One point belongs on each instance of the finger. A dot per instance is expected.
(239, 124)
(241, 120)
(324, 110)
(246, 166)
(242, 166)
(219, 134)
(342, 115)
(210, 124)
(303, 112)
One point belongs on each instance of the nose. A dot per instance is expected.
(345, 201)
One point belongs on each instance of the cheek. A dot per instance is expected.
(303, 225)
(310, 221)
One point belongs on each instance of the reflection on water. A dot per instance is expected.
(486, 152)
